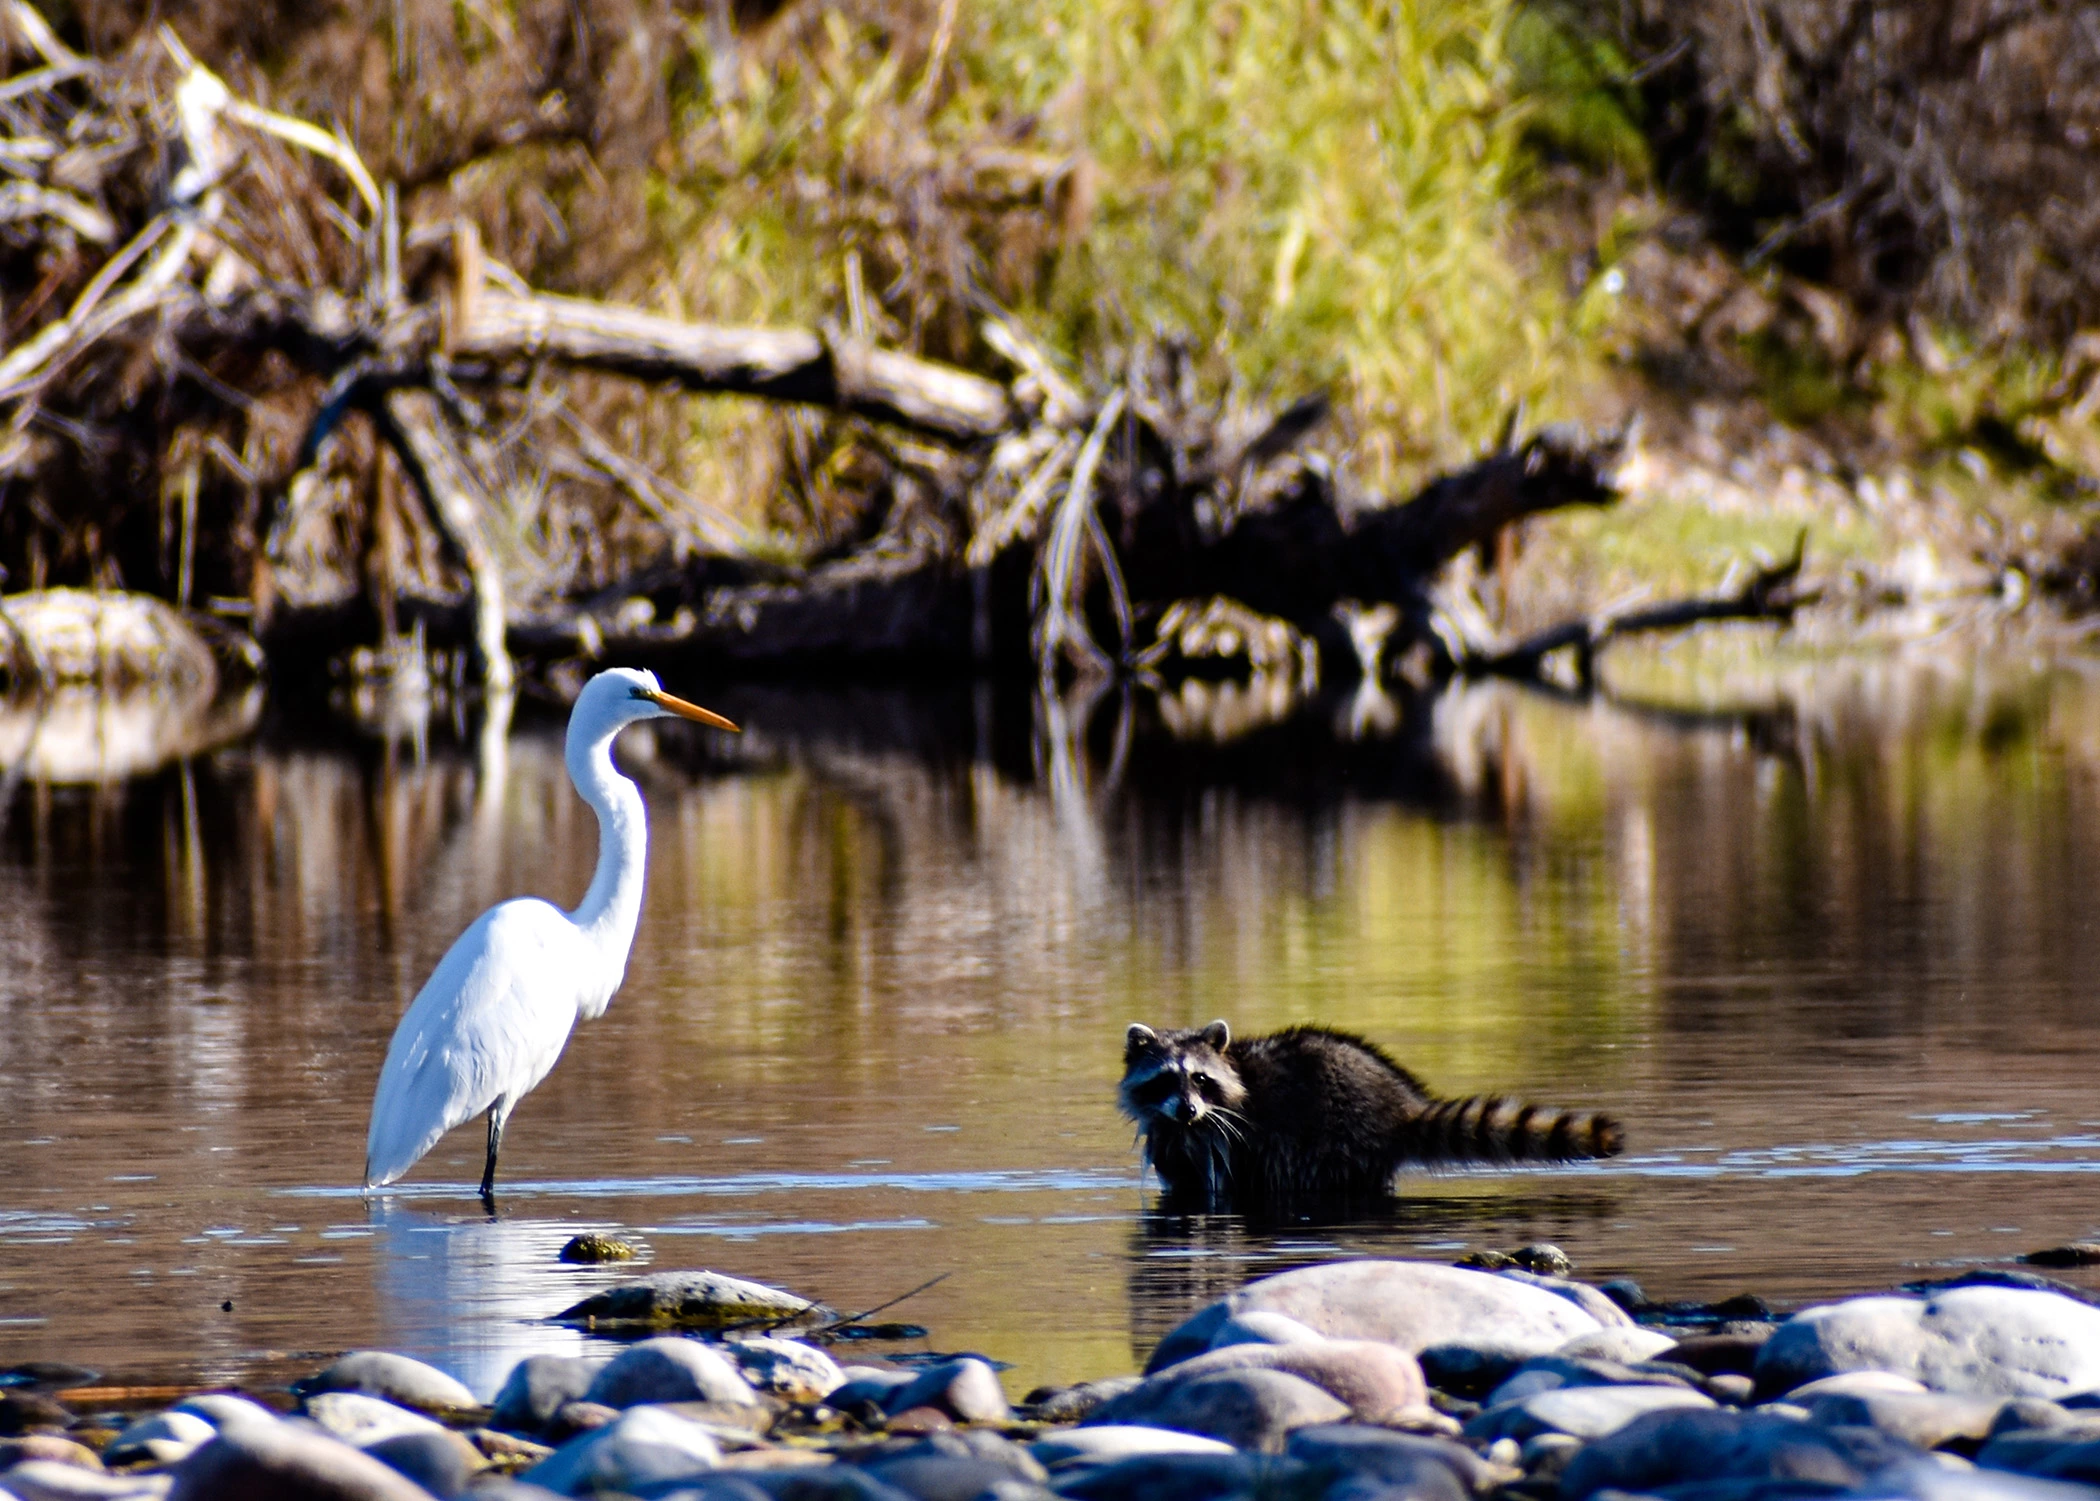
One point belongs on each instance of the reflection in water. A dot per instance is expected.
(1823, 941)
(79, 734)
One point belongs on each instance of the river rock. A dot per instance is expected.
(1371, 1379)
(1621, 1343)
(948, 1468)
(31, 1412)
(537, 1387)
(286, 1462)
(690, 1300)
(1249, 1408)
(2022, 1449)
(967, 1390)
(1990, 1341)
(646, 1447)
(1586, 1412)
(439, 1460)
(223, 1408)
(1175, 1477)
(161, 1439)
(1113, 1441)
(1073, 1404)
(55, 1448)
(380, 1373)
(1927, 1419)
(51, 1480)
(1854, 1384)
(1546, 1373)
(867, 1383)
(1719, 1354)
(1419, 1306)
(1590, 1300)
(786, 1368)
(670, 1368)
(1406, 1461)
(1717, 1444)
(1259, 1327)
(358, 1419)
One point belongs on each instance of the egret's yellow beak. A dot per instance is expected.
(685, 710)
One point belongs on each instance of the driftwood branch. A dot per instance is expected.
(1772, 593)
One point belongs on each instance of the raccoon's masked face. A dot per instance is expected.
(1178, 1078)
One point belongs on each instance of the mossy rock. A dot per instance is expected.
(692, 1300)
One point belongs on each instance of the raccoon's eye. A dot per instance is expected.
(1208, 1087)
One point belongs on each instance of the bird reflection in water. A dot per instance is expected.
(471, 1293)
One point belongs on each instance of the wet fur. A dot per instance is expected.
(1314, 1119)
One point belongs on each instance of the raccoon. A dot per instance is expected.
(1310, 1119)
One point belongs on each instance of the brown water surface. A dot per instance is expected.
(1826, 941)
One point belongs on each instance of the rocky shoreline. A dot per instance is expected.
(1348, 1381)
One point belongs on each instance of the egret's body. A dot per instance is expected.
(495, 1014)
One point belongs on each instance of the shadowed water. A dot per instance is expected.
(1824, 938)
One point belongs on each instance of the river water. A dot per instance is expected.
(1824, 936)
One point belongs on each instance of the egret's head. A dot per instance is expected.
(621, 695)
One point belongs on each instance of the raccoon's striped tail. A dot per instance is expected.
(1487, 1129)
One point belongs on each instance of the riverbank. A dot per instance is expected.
(1341, 1380)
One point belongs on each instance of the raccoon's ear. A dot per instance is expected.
(1139, 1036)
(1217, 1034)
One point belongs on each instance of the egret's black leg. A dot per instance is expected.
(488, 1173)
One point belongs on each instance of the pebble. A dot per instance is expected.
(222, 1408)
(1853, 1384)
(1398, 1459)
(358, 1419)
(1623, 1343)
(286, 1462)
(55, 1448)
(1546, 1373)
(1586, 1412)
(161, 1439)
(1714, 1444)
(644, 1447)
(1176, 1477)
(538, 1386)
(394, 1377)
(786, 1368)
(31, 1412)
(1926, 1419)
(1247, 1408)
(439, 1460)
(590, 1248)
(1997, 1341)
(1113, 1441)
(690, 1300)
(1072, 1403)
(50, 1480)
(966, 1390)
(1416, 1305)
(1259, 1327)
(1372, 1380)
(867, 1384)
(670, 1368)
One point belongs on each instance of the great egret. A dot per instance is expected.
(494, 1015)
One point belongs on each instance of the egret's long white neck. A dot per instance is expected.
(610, 909)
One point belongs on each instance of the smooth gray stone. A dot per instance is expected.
(1372, 1380)
(1173, 1477)
(1987, 1341)
(670, 1368)
(537, 1387)
(1115, 1441)
(1249, 1409)
(967, 1390)
(947, 1477)
(645, 1448)
(1622, 1343)
(2023, 1449)
(786, 1368)
(690, 1300)
(2079, 1462)
(503, 1489)
(442, 1462)
(1411, 1461)
(1547, 1373)
(1705, 1445)
(867, 1384)
(360, 1419)
(380, 1373)
(1852, 1384)
(1926, 1481)
(2018, 1414)
(161, 1439)
(283, 1462)
(54, 1480)
(1413, 1304)
(221, 1408)
(1609, 1315)
(1587, 1412)
(711, 1488)
(829, 1483)
(1260, 1327)
(1076, 1403)
(1927, 1419)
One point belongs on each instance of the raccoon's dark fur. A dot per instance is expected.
(1314, 1119)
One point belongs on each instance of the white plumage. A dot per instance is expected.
(494, 1016)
